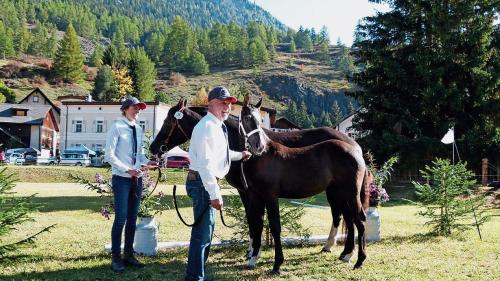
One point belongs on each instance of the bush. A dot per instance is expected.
(11, 70)
(177, 79)
(449, 198)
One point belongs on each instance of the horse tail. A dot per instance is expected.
(365, 190)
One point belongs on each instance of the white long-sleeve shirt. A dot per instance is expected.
(119, 147)
(208, 154)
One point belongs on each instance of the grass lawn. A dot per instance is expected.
(73, 250)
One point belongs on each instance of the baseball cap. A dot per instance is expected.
(132, 101)
(221, 93)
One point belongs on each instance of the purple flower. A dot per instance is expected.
(105, 212)
(98, 178)
(377, 195)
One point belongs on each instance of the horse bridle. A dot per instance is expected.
(245, 134)
(176, 123)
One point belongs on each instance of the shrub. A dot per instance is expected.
(177, 79)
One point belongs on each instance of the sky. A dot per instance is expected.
(339, 16)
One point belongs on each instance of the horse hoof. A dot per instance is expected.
(345, 258)
(357, 266)
(325, 250)
(250, 267)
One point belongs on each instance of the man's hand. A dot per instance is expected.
(246, 155)
(134, 172)
(216, 204)
(150, 166)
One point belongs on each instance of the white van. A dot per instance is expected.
(75, 159)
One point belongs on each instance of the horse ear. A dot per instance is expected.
(246, 100)
(181, 101)
(259, 103)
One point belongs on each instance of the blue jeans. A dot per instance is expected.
(202, 232)
(126, 205)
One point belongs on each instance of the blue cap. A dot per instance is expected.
(221, 93)
(132, 101)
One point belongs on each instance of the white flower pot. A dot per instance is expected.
(372, 224)
(146, 237)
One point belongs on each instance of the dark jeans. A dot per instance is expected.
(202, 232)
(126, 205)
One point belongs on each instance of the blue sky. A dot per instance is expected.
(339, 16)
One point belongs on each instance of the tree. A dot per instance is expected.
(448, 198)
(97, 55)
(14, 210)
(257, 52)
(124, 83)
(198, 64)
(104, 86)
(324, 55)
(324, 37)
(154, 46)
(336, 115)
(143, 74)
(427, 68)
(68, 63)
(119, 51)
(179, 45)
(293, 47)
(6, 42)
(346, 62)
(52, 43)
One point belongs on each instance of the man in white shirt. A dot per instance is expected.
(210, 161)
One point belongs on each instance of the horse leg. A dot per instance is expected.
(332, 240)
(244, 200)
(361, 226)
(273, 214)
(346, 254)
(256, 223)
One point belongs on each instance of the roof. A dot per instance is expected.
(104, 103)
(283, 121)
(35, 115)
(37, 90)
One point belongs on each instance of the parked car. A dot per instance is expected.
(178, 162)
(75, 159)
(12, 157)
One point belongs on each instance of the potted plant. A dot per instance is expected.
(378, 195)
(146, 233)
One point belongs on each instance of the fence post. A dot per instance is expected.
(484, 172)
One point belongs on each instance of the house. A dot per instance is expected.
(283, 125)
(37, 97)
(345, 126)
(29, 125)
(84, 122)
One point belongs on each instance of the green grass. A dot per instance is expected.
(73, 250)
(61, 174)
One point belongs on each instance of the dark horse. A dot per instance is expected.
(176, 131)
(277, 171)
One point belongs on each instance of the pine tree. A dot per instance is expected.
(14, 211)
(324, 37)
(68, 63)
(52, 44)
(308, 45)
(448, 198)
(258, 52)
(154, 46)
(324, 55)
(143, 74)
(350, 108)
(6, 42)
(179, 45)
(105, 88)
(122, 54)
(198, 63)
(22, 39)
(336, 115)
(293, 47)
(97, 56)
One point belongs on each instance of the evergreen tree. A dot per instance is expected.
(97, 56)
(8, 94)
(68, 63)
(22, 39)
(38, 44)
(336, 115)
(324, 37)
(293, 47)
(257, 52)
(324, 55)
(198, 63)
(14, 210)
(143, 74)
(346, 62)
(429, 67)
(104, 86)
(350, 108)
(308, 45)
(179, 45)
(122, 54)
(154, 46)
(6, 42)
(52, 44)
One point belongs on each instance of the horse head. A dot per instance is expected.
(176, 129)
(250, 127)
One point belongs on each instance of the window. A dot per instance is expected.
(142, 123)
(78, 126)
(35, 98)
(99, 126)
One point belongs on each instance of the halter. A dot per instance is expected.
(176, 123)
(245, 134)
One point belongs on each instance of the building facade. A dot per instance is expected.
(87, 123)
